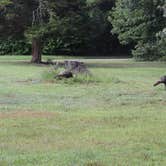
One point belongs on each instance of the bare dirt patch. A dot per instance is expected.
(27, 114)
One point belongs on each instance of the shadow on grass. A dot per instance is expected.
(127, 65)
(20, 63)
(98, 64)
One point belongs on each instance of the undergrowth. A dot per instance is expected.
(50, 76)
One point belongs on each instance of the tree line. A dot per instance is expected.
(87, 27)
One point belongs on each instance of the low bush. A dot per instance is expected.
(50, 76)
(146, 52)
(14, 47)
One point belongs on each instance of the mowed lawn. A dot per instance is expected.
(118, 119)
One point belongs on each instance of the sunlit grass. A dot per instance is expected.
(117, 118)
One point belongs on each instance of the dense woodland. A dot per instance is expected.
(83, 27)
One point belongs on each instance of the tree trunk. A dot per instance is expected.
(36, 51)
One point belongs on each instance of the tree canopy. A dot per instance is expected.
(139, 22)
(98, 27)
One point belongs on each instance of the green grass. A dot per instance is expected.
(118, 119)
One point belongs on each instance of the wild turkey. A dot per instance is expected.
(161, 81)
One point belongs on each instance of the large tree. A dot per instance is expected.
(19, 17)
(83, 26)
(138, 22)
(16, 18)
(36, 32)
(78, 26)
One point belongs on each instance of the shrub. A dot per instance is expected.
(146, 52)
(49, 76)
(51, 46)
(14, 47)
(161, 44)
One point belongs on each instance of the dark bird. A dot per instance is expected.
(161, 81)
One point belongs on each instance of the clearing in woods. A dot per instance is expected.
(117, 119)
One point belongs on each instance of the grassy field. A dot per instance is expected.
(118, 119)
